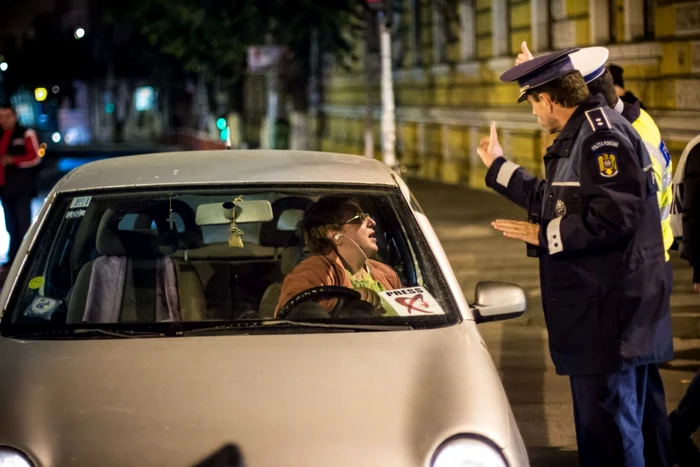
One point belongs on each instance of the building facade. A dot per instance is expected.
(448, 56)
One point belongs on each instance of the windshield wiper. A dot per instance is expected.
(87, 333)
(300, 324)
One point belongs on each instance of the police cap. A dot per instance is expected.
(539, 71)
(590, 61)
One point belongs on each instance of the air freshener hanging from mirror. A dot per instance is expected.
(235, 239)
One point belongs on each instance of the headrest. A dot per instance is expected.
(290, 257)
(270, 234)
(159, 212)
(139, 243)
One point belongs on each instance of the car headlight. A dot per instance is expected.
(12, 458)
(464, 451)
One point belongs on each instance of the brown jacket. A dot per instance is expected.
(320, 270)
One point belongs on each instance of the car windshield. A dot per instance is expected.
(226, 257)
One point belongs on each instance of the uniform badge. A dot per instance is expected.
(608, 166)
(560, 208)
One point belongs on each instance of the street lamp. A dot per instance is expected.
(3, 66)
(79, 33)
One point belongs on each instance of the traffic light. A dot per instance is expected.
(40, 94)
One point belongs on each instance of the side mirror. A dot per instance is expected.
(495, 301)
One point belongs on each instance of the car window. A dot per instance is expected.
(187, 256)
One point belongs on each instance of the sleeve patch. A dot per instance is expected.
(598, 119)
(607, 165)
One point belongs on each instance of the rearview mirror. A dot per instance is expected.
(246, 212)
(495, 301)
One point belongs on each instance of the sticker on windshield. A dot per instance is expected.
(36, 282)
(80, 202)
(78, 213)
(412, 301)
(42, 308)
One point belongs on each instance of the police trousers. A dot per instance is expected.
(621, 419)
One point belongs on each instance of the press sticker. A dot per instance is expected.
(81, 202)
(75, 214)
(412, 301)
(42, 307)
(36, 282)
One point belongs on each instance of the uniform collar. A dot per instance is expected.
(631, 112)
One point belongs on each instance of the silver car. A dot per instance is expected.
(138, 326)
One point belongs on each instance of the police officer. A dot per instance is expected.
(619, 83)
(605, 293)
(590, 61)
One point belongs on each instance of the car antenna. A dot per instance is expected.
(228, 137)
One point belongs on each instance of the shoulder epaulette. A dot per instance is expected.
(598, 119)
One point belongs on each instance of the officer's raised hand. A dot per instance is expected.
(524, 55)
(489, 148)
(519, 230)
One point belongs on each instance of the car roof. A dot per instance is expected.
(227, 167)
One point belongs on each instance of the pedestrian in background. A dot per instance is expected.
(685, 221)
(604, 289)
(19, 158)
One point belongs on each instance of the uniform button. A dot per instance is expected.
(556, 244)
(554, 236)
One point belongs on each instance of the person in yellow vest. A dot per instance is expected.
(590, 61)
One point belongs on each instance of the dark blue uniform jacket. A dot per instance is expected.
(604, 290)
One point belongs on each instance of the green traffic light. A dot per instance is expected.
(221, 123)
(224, 134)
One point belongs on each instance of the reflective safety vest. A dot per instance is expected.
(662, 166)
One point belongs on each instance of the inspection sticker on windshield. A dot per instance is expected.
(80, 202)
(78, 213)
(36, 282)
(412, 301)
(42, 307)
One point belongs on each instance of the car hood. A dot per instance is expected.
(371, 398)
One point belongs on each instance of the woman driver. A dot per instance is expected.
(340, 238)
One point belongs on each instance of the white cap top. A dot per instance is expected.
(590, 61)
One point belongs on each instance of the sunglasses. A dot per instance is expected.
(358, 218)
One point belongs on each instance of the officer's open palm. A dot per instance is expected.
(489, 148)
(519, 230)
(696, 287)
(525, 55)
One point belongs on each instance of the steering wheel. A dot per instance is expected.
(343, 294)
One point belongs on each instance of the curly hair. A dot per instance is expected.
(326, 214)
